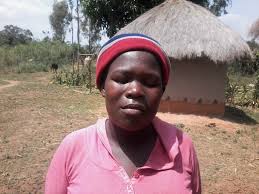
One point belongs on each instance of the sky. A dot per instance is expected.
(241, 15)
(34, 15)
(26, 14)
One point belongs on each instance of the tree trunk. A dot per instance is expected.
(78, 34)
(72, 40)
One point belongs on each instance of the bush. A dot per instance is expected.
(256, 91)
(230, 91)
(242, 91)
(85, 77)
(246, 66)
(37, 55)
(31, 68)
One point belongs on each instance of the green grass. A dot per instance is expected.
(253, 113)
(242, 79)
(31, 68)
(34, 57)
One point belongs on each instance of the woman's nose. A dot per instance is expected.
(134, 90)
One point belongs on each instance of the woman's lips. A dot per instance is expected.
(133, 108)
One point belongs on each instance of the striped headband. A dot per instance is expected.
(130, 42)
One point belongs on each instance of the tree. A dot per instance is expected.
(253, 45)
(71, 12)
(60, 19)
(112, 15)
(13, 35)
(91, 33)
(47, 37)
(78, 32)
(254, 30)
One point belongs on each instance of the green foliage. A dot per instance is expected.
(82, 78)
(60, 19)
(115, 14)
(112, 15)
(253, 45)
(92, 34)
(36, 56)
(70, 78)
(230, 91)
(244, 95)
(242, 91)
(256, 92)
(31, 68)
(244, 67)
(13, 35)
(218, 6)
(247, 65)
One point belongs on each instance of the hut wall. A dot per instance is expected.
(195, 86)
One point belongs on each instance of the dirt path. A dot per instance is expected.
(11, 83)
(35, 117)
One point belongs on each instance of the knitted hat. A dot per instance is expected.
(130, 42)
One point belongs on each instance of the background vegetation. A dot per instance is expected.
(21, 53)
(34, 56)
(115, 14)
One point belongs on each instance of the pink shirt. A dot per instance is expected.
(83, 164)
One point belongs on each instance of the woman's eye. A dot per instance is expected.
(120, 79)
(152, 82)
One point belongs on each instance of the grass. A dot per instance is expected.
(34, 117)
(31, 68)
(242, 79)
(242, 115)
(36, 114)
(35, 56)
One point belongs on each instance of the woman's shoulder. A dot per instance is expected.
(172, 136)
(80, 138)
(74, 140)
(175, 141)
(77, 135)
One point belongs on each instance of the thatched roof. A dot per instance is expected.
(187, 30)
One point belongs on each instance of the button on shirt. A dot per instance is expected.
(83, 164)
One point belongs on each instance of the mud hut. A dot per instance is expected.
(200, 46)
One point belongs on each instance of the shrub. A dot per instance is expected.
(230, 91)
(84, 77)
(31, 68)
(242, 91)
(256, 92)
(246, 66)
(37, 55)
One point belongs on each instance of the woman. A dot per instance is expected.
(131, 151)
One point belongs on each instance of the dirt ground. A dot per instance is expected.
(35, 115)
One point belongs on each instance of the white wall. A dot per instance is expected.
(192, 80)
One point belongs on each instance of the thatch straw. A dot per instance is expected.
(187, 30)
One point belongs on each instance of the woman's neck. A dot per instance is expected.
(124, 137)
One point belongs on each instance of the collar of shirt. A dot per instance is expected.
(164, 152)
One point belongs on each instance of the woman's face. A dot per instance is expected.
(133, 89)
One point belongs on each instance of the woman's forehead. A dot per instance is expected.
(139, 60)
(137, 56)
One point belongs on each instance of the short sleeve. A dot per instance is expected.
(56, 179)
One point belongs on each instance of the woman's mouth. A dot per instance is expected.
(133, 108)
